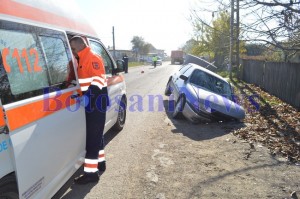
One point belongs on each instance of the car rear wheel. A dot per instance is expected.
(8, 187)
(119, 125)
(179, 105)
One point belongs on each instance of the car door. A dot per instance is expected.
(114, 89)
(46, 125)
(178, 83)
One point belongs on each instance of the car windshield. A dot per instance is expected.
(210, 83)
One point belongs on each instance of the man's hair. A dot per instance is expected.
(78, 39)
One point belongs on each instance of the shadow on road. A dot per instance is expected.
(201, 131)
(81, 190)
(110, 135)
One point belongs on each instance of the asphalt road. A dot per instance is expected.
(123, 149)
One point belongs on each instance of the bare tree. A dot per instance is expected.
(272, 22)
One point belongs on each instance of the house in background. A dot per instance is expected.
(134, 56)
(119, 54)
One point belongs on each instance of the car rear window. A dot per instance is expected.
(210, 83)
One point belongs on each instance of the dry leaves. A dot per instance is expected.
(274, 123)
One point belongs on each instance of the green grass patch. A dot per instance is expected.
(133, 64)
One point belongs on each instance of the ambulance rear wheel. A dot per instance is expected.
(8, 187)
(119, 125)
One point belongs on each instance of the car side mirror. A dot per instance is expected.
(120, 66)
(183, 77)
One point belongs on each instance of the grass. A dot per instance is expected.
(133, 64)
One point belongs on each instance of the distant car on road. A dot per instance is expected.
(202, 96)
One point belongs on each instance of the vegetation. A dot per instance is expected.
(133, 64)
(212, 41)
(273, 31)
(140, 46)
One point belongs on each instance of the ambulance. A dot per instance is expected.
(42, 125)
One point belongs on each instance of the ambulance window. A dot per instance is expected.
(56, 58)
(4, 84)
(22, 58)
(33, 61)
(98, 48)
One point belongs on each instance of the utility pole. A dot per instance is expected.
(231, 38)
(114, 47)
(237, 33)
(234, 35)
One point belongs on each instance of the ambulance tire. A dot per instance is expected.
(119, 125)
(8, 187)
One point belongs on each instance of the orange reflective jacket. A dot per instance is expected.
(91, 70)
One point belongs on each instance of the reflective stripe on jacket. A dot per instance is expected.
(91, 70)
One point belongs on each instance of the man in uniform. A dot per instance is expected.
(154, 59)
(125, 59)
(93, 83)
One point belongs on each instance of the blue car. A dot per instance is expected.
(202, 96)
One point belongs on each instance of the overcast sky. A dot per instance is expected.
(163, 23)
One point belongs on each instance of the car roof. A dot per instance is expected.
(195, 66)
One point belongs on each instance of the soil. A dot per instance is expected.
(208, 161)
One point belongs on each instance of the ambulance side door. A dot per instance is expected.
(113, 89)
(46, 125)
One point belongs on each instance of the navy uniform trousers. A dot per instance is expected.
(95, 120)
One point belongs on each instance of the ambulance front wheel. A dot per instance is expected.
(119, 125)
(8, 187)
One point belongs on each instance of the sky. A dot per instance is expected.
(163, 23)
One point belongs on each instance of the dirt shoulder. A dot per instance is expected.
(208, 161)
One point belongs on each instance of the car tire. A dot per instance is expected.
(8, 187)
(168, 89)
(179, 106)
(119, 125)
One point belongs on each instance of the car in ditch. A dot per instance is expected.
(201, 95)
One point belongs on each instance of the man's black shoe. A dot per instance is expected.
(87, 178)
(102, 166)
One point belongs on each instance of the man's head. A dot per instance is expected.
(77, 44)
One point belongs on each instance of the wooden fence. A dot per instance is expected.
(279, 79)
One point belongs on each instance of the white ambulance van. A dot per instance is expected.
(42, 127)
